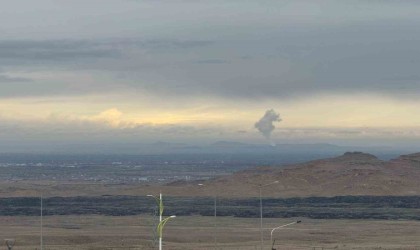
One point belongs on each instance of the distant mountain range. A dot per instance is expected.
(220, 147)
(229, 147)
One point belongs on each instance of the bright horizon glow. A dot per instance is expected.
(342, 111)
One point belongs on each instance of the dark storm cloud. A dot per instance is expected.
(78, 57)
(51, 52)
(260, 51)
(60, 51)
(375, 58)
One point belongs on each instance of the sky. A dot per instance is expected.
(84, 72)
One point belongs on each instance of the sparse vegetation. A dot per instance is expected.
(348, 207)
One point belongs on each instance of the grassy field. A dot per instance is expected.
(198, 232)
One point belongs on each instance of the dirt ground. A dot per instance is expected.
(197, 232)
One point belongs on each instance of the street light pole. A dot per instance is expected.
(274, 229)
(160, 219)
(159, 203)
(42, 226)
(160, 207)
(261, 220)
(160, 229)
(215, 217)
(261, 212)
(162, 223)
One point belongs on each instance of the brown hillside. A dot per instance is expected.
(353, 173)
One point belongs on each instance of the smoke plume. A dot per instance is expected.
(265, 124)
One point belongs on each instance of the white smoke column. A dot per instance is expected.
(265, 124)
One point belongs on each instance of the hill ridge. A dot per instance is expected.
(352, 173)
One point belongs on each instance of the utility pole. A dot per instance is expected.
(215, 218)
(214, 215)
(261, 220)
(160, 219)
(260, 186)
(42, 236)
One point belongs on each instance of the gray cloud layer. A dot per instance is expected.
(261, 52)
(10, 79)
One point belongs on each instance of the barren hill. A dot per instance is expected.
(353, 173)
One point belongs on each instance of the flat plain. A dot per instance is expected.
(199, 232)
